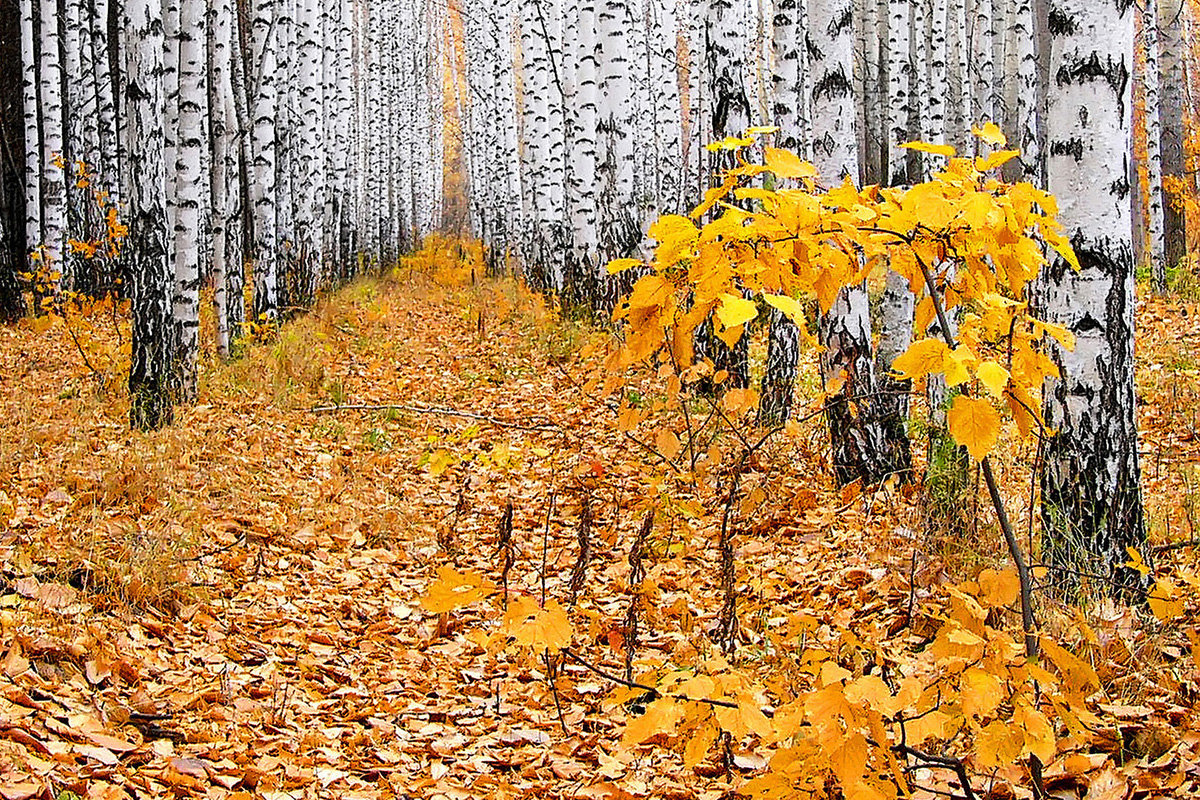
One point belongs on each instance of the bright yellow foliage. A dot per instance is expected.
(978, 239)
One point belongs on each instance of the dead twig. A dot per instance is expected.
(539, 427)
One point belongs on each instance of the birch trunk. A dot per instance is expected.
(1154, 167)
(148, 252)
(189, 194)
(1091, 500)
(262, 72)
(219, 34)
(728, 112)
(1175, 46)
(32, 137)
(583, 274)
(620, 232)
(54, 187)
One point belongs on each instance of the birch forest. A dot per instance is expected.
(607, 399)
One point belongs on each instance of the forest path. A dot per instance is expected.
(231, 608)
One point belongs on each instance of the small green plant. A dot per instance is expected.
(335, 391)
(378, 439)
(329, 429)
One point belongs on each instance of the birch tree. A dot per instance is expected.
(1154, 177)
(189, 196)
(583, 270)
(1173, 50)
(896, 306)
(263, 142)
(727, 113)
(50, 100)
(32, 135)
(620, 230)
(149, 262)
(1091, 503)
(862, 447)
(14, 257)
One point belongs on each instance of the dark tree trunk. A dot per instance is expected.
(12, 166)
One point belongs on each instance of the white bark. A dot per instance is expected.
(33, 144)
(1175, 46)
(189, 196)
(150, 265)
(900, 87)
(1154, 168)
(54, 188)
(262, 76)
(1091, 504)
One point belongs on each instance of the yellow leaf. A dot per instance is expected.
(618, 265)
(753, 718)
(729, 143)
(786, 164)
(981, 692)
(994, 377)
(832, 672)
(1063, 247)
(734, 311)
(921, 358)
(662, 716)
(454, 590)
(955, 366)
(975, 425)
(1038, 732)
(927, 147)
(668, 444)
(788, 306)
(991, 134)
(996, 159)
(999, 589)
(699, 744)
(1136, 561)
(999, 744)
(649, 292)
(849, 761)
(540, 628)
(762, 130)
(1077, 672)
(871, 691)
(1165, 601)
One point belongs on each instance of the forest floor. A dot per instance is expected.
(232, 607)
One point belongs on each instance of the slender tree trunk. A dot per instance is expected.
(33, 139)
(262, 72)
(1175, 46)
(189, 197)
(148, 253)
(13, 254)
(1153, 123)
(728, 110)
(862, 447)
(896, 307)
(1091, 498)
(54, 188)
(583, 275)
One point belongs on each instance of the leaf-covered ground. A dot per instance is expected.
(231, 607)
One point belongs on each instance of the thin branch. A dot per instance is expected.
(546, 427)
(571, 654)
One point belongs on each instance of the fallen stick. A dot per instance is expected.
(546, 427)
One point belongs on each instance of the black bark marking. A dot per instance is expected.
(1072, 147)
(841, 22)
(832, 85)
(1062, 23)
(1092, 68)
